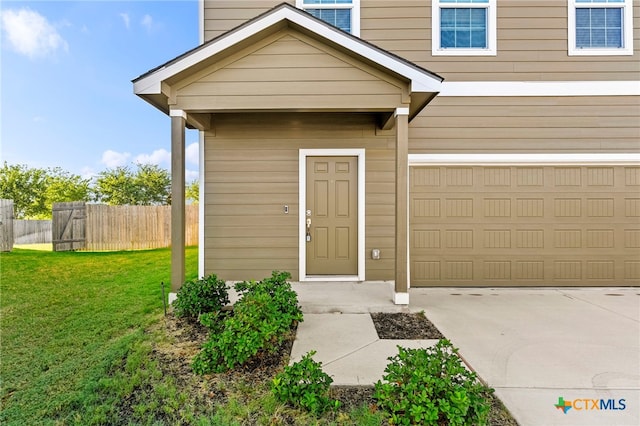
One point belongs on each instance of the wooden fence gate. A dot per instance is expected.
(6, 225)
(68, 227)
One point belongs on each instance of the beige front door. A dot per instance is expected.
(331, 216)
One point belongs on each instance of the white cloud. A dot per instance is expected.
(192, 154)
(87, 173)
(30, 34)
(126, 19)
(159, 156)
(147, 22)
(191, 175)
(115, 159)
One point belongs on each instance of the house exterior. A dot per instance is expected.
(429, 143)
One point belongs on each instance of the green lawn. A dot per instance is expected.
(79, 336)
(68, 322)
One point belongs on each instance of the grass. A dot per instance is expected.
(68, 320)
(78, 332)
(42, 246)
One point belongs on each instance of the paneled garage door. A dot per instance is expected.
(525, 225)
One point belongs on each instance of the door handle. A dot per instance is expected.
(308, 229)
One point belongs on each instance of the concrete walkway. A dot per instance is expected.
(533, 346)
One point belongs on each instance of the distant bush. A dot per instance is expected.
(261, 320)
(303, 384)
(202, 296)
(432, 387)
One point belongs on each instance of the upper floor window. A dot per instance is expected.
(463, 27)
(344, 14)
(600, 27)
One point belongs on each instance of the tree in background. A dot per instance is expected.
(115, 186)
(193, 191)
(34, 190)
(154, 185)
(26, 187)
(63, 186)
(148, 185)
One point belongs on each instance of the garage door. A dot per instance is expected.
(525, 225)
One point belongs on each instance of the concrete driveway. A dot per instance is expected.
(537, 347)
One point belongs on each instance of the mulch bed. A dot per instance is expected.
(184, 339)
(402, 326)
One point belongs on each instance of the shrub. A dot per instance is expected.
(260, 322)
(197, 297)
(279, 291)
(304, 384)
(214, 321)
(432, 386)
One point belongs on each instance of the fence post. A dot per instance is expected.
(6, 225)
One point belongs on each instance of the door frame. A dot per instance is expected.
(302, 201)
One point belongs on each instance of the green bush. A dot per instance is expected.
(214, 321)
(279, 290)
(261, 320)
(304, 384)
(432, 387)
(197, 297)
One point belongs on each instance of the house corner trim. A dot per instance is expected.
(400, 298)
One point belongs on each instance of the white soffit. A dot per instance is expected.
(421, 80)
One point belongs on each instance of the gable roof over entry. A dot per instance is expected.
(158, 86)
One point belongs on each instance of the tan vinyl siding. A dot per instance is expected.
(222, 16)
(531, 40)
(380, 209)
(251, 164)
(531, 124)
(290, 71)
(531, 43)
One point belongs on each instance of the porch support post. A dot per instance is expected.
(178, 125)
(401, 291)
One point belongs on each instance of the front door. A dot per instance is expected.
(332, 216)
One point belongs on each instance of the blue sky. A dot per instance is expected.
(66, 97)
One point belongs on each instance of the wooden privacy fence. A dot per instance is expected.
(6, 225)
(100, 227)
(31, 231)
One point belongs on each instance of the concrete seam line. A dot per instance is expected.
(352, 352)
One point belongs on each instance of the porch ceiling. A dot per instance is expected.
(287, 60)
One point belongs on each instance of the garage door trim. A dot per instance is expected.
(631, 158)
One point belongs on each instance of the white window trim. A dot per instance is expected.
(354, 6)
(627, 30)
(492, 31)
(302, 201)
